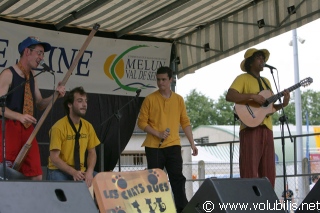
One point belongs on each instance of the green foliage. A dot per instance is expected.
(289, 112)
(204, 111)
(199, 109)
(224, 111)
(309, 104)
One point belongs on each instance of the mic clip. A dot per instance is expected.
(49, 71)
(235, 117)
(138, 92)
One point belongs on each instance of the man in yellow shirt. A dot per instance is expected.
(161, 115)
(257, 157)
(70, 130)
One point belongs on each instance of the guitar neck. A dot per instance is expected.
(274, 98)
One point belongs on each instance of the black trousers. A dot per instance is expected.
(171, 159)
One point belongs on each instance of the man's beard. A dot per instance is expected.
(79, 113)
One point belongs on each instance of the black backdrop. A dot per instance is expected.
(101, 109)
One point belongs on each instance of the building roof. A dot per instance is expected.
(222, 151)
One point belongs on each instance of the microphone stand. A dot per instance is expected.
(118, 115)
(11, 172)
(282, 119)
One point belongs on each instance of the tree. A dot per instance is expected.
(224, 111)
(309, 104)
(204, 111)
(289, 112)
(199, 109)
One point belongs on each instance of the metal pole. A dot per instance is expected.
(298, 112)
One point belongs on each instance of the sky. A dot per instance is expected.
(216, 78)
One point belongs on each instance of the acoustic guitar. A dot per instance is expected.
(252, 114)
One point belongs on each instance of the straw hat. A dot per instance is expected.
(250, 53)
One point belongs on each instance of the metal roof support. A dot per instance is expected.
(201, 47)
(151, 17)
(77, 14)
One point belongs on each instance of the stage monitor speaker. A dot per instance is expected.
(234, 195)
(311, 202)
(45, 196)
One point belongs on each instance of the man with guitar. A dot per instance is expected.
(20, 105)
(257, 158)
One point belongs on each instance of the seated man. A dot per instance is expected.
(69, 134)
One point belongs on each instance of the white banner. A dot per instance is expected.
(108, 66)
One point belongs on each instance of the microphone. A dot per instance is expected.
(138, 92)
(167, 130)
(46, 67)
(270, 67)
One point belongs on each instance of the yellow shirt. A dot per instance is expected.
(161, 113)
(245, 84)
(62, 137)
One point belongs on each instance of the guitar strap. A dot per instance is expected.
(265, 83)
(259, 82)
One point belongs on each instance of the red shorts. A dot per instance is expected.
(16, 136)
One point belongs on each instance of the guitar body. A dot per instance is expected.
(252, 114)
(11, 174)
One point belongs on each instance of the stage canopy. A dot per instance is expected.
(202, 32)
